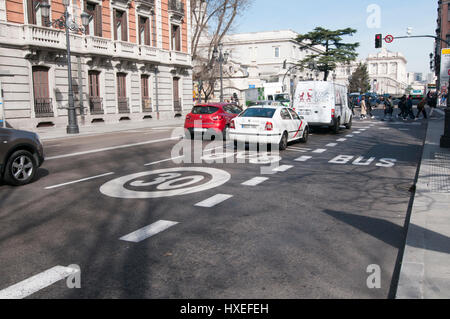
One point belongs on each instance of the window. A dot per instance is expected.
(42, 101)
(94, 88)
(258, 112)
(144, 31)
(204, 110)
(120, 26)
(35, 13)
(122, 100)
(277, 52)
(145, 93)
(95, 21)
(285, 114)
(176, 38)
(294, 115)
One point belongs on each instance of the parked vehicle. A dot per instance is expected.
(21, 154)
(210, 119)
(269, 124)
(323, 103)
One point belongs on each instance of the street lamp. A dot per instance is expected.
(221, 58)
(63, 23)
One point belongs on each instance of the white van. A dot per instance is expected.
(323, 103)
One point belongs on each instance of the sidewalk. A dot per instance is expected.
(425, 269)
(47, 133)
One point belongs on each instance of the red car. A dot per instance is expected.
(210, 118)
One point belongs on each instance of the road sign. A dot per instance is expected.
(389, 38)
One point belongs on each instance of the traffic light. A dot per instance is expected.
(378, 40)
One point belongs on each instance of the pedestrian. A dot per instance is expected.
(369, 108)
(363, 108)
(443, 99)
(409, 108)
(421, 108)
(402, 108)
(432, 103)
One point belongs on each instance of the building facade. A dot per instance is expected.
(132, 63)
(387, 72)
(257, 58)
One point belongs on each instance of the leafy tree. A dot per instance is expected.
(359, 80)
(335, 52)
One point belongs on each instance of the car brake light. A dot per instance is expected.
(232, 125)
(269, 126)
(333, 112)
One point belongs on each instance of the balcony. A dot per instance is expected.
(149, 53)
(177, 105)
(176, 7)
(98, 45)
(145, 3)
(126, 49)
(96, 105)
(180, 58)
(147, 104)
(51, 38)
(123, 105)
(43, 107)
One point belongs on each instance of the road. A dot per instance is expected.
(308, 230)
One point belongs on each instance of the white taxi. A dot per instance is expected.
(268, 124)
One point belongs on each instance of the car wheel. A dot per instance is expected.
(335, 127)
(349, 124)
(20, 168)
(283, 142)
(304, 138)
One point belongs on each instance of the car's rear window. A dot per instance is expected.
(258, 112)
(204, 110)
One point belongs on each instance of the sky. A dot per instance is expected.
(396, 16)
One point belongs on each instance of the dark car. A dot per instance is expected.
(21, 153)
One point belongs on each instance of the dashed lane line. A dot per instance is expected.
(148, 231)
(331, 144)
(303, 158)
(282, 168)
(214, 200)
(255, 181)
(341, 140)
(349, 135)
(319, 150)
(79, 180)
(37, 282)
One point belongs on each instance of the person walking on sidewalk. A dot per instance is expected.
(363, 108)
(432, 102)
(421, 108)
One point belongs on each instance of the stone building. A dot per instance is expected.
(132, 63)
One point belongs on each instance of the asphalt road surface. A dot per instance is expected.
(310, 229)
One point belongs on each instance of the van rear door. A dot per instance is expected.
(313, 101)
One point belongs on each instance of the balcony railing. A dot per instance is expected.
(43, 107)
(176, 6)
(147, 3)
(99, 45)
(96, 105)
(147, 104)
(126, 49)
(177, 105)
(123, 105)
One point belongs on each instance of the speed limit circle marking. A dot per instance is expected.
(167, 182)
(389, 38)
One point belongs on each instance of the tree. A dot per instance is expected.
(359, 80)
(335, 51)
(211, 21)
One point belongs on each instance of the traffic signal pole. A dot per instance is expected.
(445, 139)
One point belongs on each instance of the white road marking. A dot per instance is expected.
(440, 111)
(403, 129)
(37, 282)
(148, 231)
(341, 140)
(112, 148)
(255, 181)
(320, 150)
(213, 201)
(384, 128)
(362, 129)
(349, 135)
(300, 148)
(303, 158)
(162, 161)
(282, 168)
(80, 180)
(357, 132)
(331, 144)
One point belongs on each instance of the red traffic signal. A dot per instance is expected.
(378, 40)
